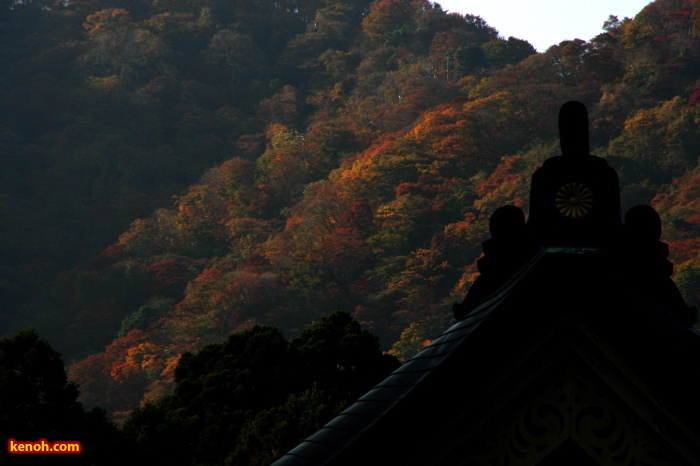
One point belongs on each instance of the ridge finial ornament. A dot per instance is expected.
(574, 197)
(573, 129)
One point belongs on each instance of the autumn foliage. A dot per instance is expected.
(176, 171)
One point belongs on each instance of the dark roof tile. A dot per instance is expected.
(420, 364)
(385, 393)
(354, 419)
(331, 436)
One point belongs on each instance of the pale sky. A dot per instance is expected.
(546, 22)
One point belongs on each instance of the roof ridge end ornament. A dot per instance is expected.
(574, 197)
(575, 209)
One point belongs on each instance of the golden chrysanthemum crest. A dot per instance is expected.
(574, 200)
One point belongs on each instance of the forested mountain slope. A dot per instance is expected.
(339, 155)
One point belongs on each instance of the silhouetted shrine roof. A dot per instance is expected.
(573, 287)
(361, 415)
(447, 362)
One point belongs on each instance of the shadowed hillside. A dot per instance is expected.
(173, 172)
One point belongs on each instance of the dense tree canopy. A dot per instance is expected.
(37, 402)
(252, 397)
